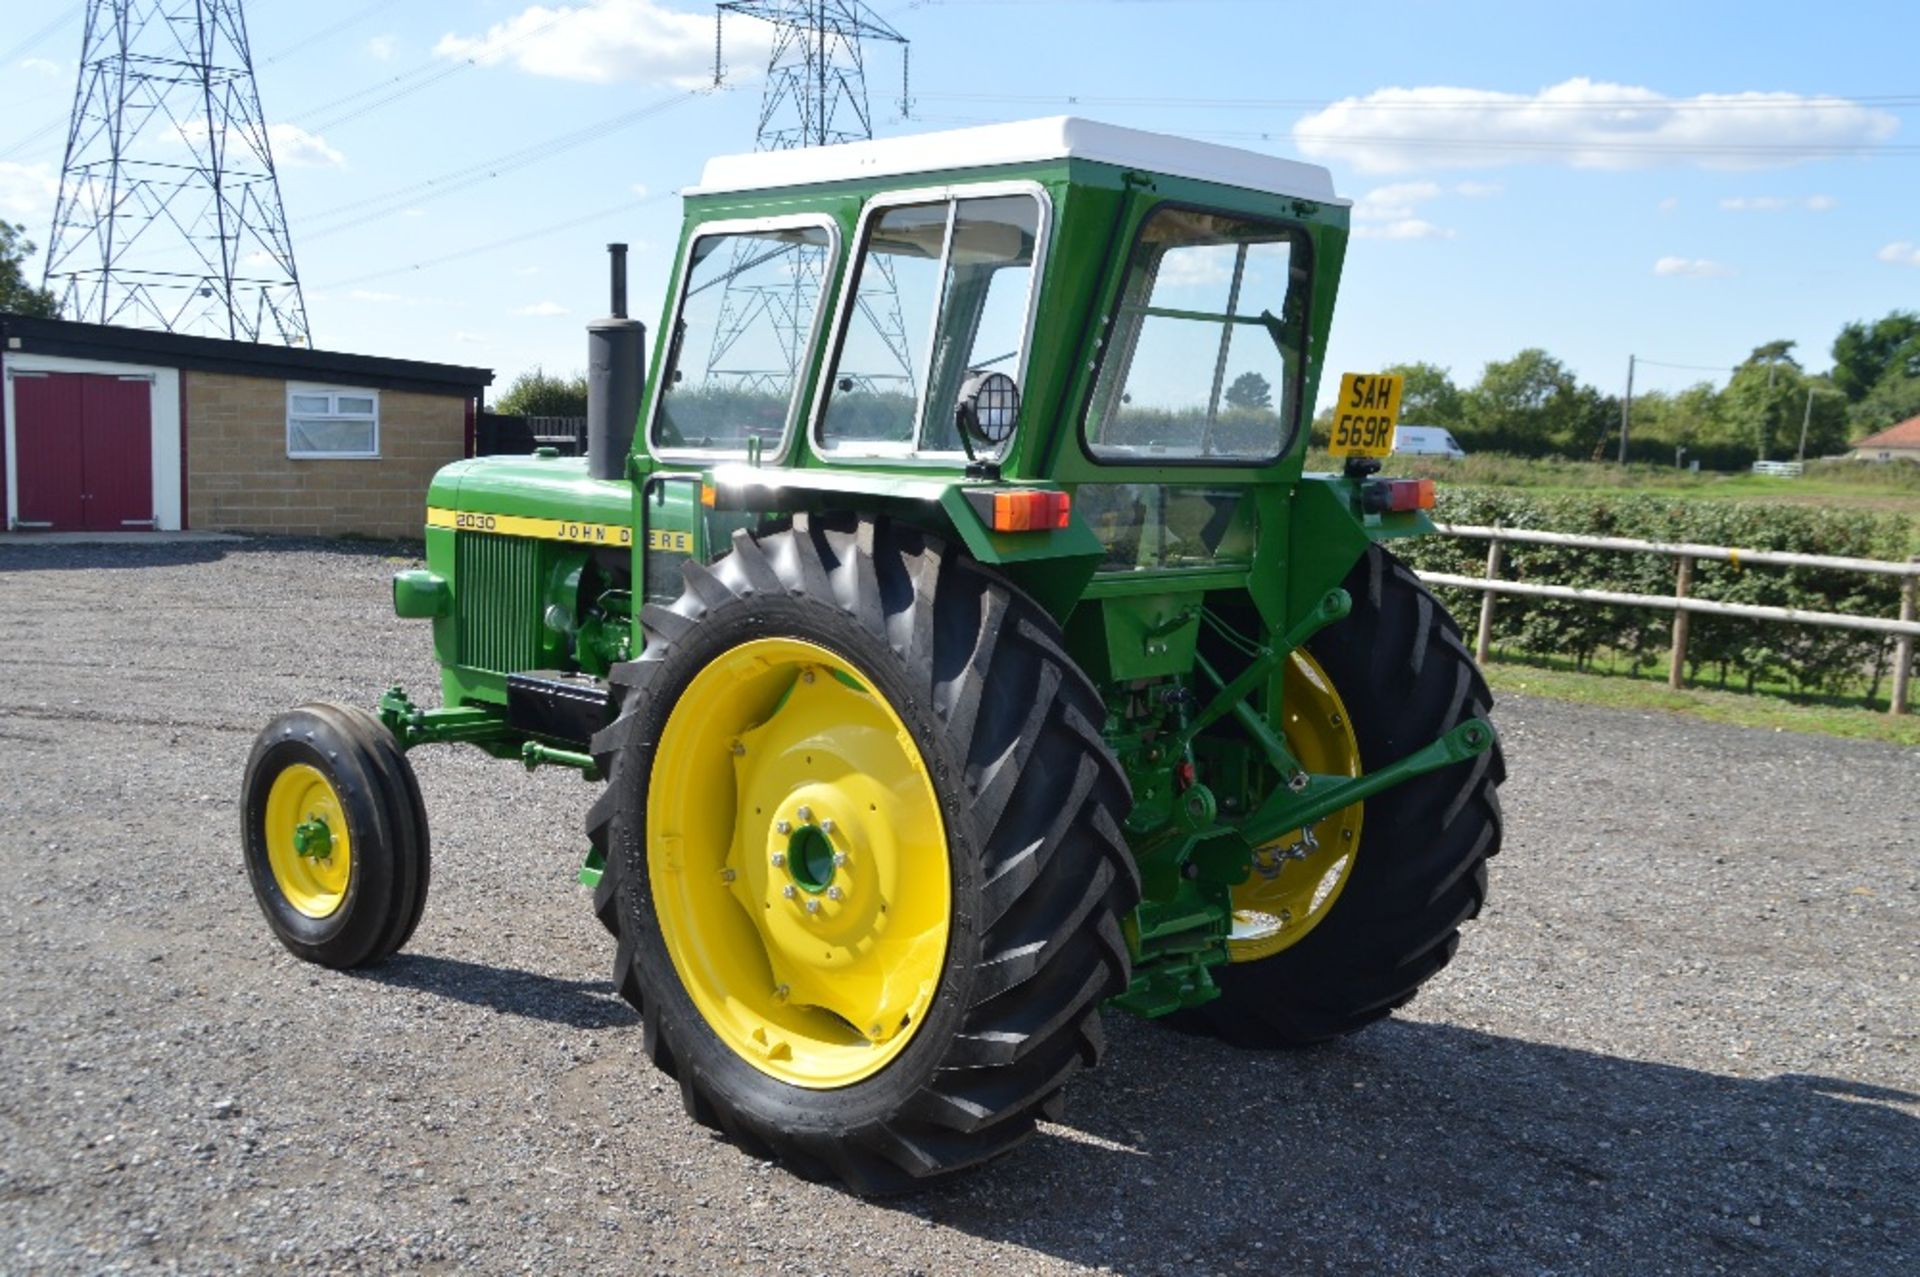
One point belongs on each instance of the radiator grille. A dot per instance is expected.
(497, 601)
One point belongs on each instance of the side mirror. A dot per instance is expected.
(989, 403)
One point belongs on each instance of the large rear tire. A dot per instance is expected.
(862, 853)
(1399, 677)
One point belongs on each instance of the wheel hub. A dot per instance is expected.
(799, 862)
(312, 839)
(309, 848)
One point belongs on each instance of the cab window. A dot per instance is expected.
(1205, 354)
(740, 342)
(941, 290)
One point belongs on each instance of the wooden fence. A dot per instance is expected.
(1905, 629)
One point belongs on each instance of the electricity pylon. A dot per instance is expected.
(169, 213)
(815, 95)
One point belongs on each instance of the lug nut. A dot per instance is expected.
(779, 859)
(739, 747)
(726, 875)
(781, 992)
(833, 893)
(790, 891)
(826, 826)
(806, 676)
(806, 815)
(873, 1030)
(839, 859)
(782, 827)
(813, 906)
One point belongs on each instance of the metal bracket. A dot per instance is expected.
(1286, 809)
(1334, 605)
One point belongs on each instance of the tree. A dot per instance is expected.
(1893, 399)
(1863, 353)
(1528, 404)
(1774, 352)
(16, 294)
(538, 394)
(1251, 391)
(1430, 397)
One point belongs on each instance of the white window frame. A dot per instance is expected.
(333, 394)
(829, 270)
(911, 453)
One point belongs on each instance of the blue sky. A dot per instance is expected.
(1681, 181)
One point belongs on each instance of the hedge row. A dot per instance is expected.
(1723, 649)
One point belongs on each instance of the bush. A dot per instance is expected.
(1727, 649)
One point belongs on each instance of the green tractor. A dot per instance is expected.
(960, 643)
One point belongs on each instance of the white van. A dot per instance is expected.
(1426, 441)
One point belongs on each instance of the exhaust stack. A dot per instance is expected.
(616, 354)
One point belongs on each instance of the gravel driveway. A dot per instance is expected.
(1682, 1039)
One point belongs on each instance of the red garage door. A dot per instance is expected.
(85, 461)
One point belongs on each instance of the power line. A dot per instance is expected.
(388, 202)
(537, 233)
(1783, 150)
(352, 19)
(42, 35)
(425, 75)
(59, 122)
(1822, 102)
(1660, 363)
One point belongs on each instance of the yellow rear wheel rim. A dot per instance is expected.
(309, 847)
(1297, 877)
(798, 863)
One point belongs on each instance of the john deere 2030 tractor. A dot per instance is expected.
(961, 645)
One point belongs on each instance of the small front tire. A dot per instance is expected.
(335, 835)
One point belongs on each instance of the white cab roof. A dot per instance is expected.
(1026, 141)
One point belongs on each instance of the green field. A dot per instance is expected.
(1853, 485)
(1649, 691)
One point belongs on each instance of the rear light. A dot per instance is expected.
(1021, 509)
(1396, 496)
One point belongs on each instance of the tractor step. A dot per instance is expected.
(557, 705)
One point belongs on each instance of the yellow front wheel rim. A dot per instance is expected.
(1297, 877)
(309, 847)
(798, 863)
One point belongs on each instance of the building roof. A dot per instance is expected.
(25, 334)
(1024, 142)
(1904, 435)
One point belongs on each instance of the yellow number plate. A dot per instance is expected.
(1364, 418)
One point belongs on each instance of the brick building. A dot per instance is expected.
(118, 429)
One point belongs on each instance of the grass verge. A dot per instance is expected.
(1780, 714)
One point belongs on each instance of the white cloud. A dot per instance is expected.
(1405, 228)
(1778, 203)
(1393, 211)
(368, 295)
(543, 310)
(1670, 203)
(293, 145)
(611, 40)
(27, 191)
(1586, 124)
(1397, 201)
(640, 189)
(1691, 268)
(40, 66)
(466, 338)
(381, 47)
(1901, 253)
